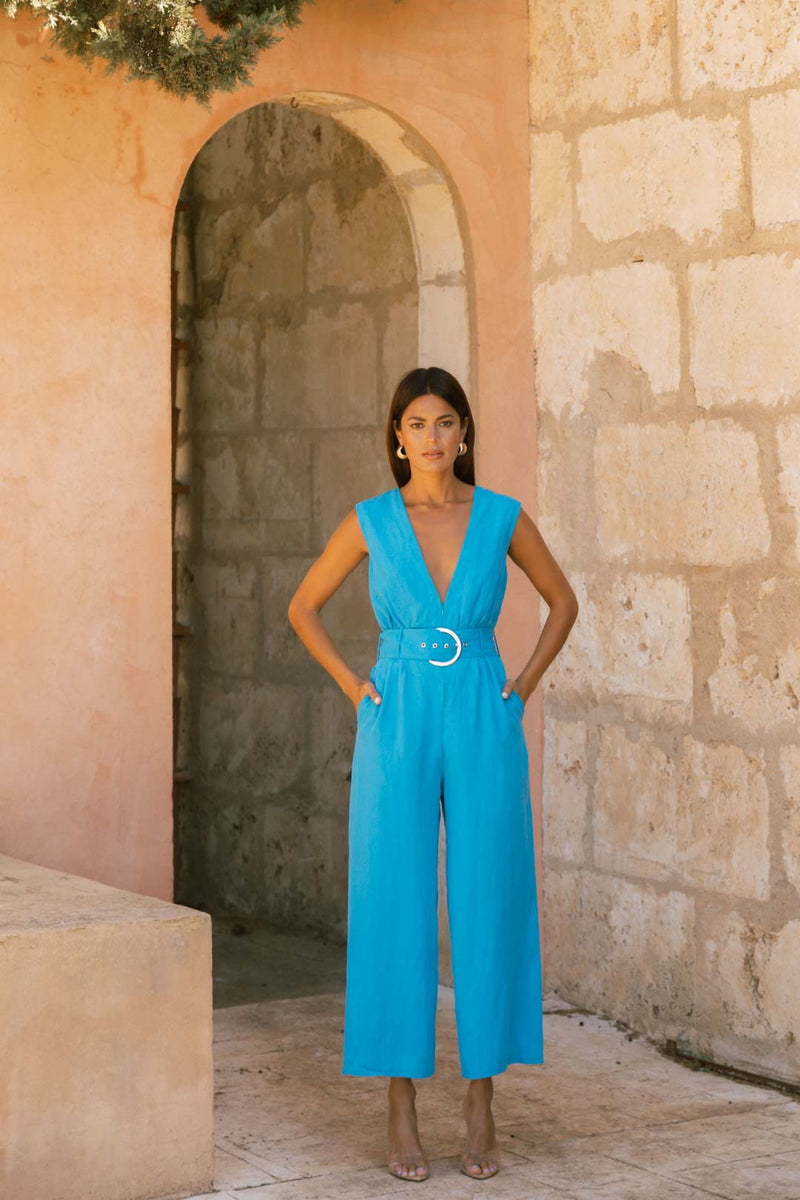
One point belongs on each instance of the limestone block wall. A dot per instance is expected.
(665, 159)
(304, 318)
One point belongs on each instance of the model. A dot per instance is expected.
(439, 731)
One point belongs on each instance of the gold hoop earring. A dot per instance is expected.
(400, 452)
(462, 448)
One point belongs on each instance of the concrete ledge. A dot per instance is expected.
(106, 1086)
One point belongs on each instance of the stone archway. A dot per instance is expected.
(262, 761)
(438, 232)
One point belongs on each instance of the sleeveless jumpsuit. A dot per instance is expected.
(441, 735)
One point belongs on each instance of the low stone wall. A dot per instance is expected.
(106, 1087)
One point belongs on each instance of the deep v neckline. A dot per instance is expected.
(418, 548)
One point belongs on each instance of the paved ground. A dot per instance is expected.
(607, 1117)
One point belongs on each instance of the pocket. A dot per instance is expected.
(514, 695)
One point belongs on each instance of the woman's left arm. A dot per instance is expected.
(529, 551)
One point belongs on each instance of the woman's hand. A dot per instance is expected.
(364, 687)
(510, 686)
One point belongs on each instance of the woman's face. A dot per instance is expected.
(430, 431)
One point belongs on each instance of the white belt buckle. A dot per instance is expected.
(448, 661)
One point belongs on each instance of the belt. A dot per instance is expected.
(438, 644)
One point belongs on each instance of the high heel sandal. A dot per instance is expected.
(469, 1174)
(409, 1178)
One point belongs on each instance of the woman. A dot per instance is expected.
(438, 723)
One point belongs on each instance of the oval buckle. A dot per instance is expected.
(448, 662)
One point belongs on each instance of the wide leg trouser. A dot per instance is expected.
(441, 733)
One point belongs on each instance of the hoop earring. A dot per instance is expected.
(400, 452)
(462, 448)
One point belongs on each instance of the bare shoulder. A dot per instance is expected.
(530, 552)
(526, 538)
(344, 550)
(348, 536)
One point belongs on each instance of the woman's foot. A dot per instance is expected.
(406, 1157)
(480, 1158)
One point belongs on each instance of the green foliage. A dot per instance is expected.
(162, 41)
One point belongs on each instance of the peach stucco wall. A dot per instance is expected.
(91, 169)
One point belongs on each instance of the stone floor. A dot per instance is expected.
(607, 1117)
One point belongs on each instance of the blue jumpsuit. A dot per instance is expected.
(441, 735)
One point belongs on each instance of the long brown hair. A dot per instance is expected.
(430, 381)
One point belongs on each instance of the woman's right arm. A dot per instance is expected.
(344, 551)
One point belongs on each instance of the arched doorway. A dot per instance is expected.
(318, 254)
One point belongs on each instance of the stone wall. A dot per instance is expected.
(304, 318)
(666, 230)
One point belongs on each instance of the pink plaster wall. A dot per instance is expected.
(90, 170)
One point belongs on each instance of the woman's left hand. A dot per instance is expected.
(510, 686)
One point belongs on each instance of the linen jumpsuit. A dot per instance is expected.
(441, 735)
